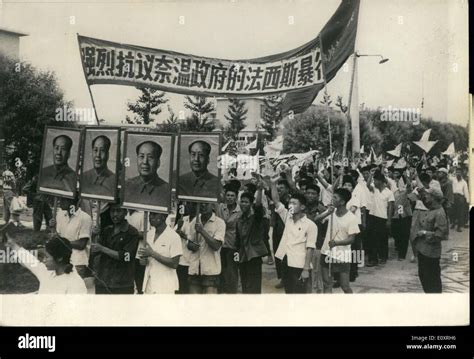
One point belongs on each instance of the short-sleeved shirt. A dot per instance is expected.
(296, 238)
(355, 202)
(206, 261)
(380, 200)
(161, 279)
(185, 228)
(230, 218)
(342, 228)
(102, 183)
(75, 227)
(118, 273)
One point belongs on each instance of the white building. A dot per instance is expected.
(253, 122)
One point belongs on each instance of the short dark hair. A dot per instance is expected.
(68, 141)
(251, 187)
(106, 140)
(348, 179)
(300, 197)
(283, 182)
(432, 168)
(354, 175)
(157, 148)
(230, 188)
(379, 176)
(303, 182)
(344, 194)
(207, 146)
(425, 177)
(313, 187)
(248, 195)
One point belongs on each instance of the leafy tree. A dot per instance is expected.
(272, 115)
(309, 131)
(171, 125)
(237, 116)
(200, 110)
(29, 100)
(147, 106)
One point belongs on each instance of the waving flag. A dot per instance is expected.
(450, 151)
(424, 143)
(396, 152)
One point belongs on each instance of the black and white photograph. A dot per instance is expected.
(99, 174)
(148, 161)
(59, 162)
(198, 175)
(255, 161)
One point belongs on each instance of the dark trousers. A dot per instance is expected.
(401, 234)
(356, 246)
(182, 272)
(139, 276)
(377, 241)
(229, 272)
(429, 272)
(41, 210)
(7, 201)
(251, 276)
(276, 242)
(291, 279)
(459, 210)
(103, 290)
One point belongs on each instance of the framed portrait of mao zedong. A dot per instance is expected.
(100, 163)
(199, 176)
(147, 171)
(60, 161)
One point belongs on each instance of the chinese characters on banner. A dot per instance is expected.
(105, 62)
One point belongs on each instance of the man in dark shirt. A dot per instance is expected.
(199, 182)
(117, 247)
(99, 180)
(250, 242)
(147, 187)
(59, 175)
(283, 189)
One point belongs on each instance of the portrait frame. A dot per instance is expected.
(217, 137)
(116, 169)
(48, 133)
(152, 135)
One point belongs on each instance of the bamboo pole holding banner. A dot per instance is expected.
(88, 86)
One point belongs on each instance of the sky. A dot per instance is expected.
(426, 42)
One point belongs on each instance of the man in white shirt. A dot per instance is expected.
(162, 250)
(297, 243)
(207, 234)
(460, 209)
(75, 225)
(380, 220)
(336, 252)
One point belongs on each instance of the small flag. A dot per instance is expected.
(450, 151)
(396, 152)
(424, 143)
